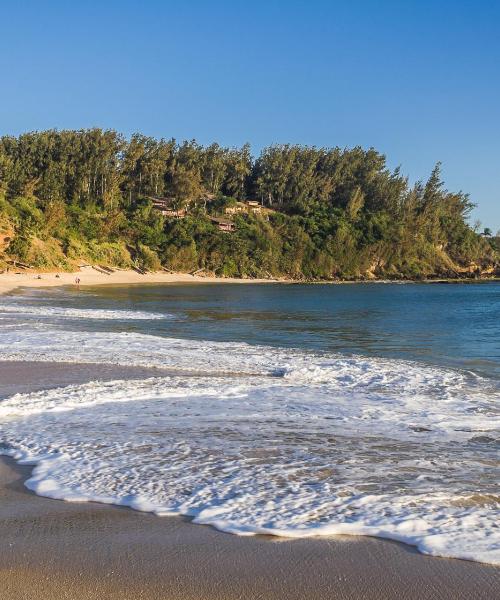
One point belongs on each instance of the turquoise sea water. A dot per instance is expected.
(292, 410)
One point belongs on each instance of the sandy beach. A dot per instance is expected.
(51, 549)
(250, 301)
(91, 276)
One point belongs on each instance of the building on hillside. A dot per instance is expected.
(223, 224)
(159, 203)
(254, 206)
(174, 214)
(165, 206)
(234, 210)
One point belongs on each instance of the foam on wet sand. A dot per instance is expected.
(92, 551)
(282, 442)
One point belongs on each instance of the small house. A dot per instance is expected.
(174, 214)
(254, 206)
(223, 224)
(234, 210)
(160, 203)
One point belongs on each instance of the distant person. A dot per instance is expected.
(77, 281)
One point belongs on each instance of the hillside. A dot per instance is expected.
(91, 196)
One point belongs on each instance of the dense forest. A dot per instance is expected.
(92, 196)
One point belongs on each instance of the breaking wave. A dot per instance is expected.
(256, 439)
(59, 312)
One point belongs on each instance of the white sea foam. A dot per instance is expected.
(78, 313)
(266, 440)
(44, 343)
(266, 455)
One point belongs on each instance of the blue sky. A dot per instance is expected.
(419, 81)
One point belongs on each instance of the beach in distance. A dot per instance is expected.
(98, 276)
(252, 429)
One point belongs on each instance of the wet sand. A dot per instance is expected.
(51, 549)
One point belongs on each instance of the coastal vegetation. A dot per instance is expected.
(93, 196)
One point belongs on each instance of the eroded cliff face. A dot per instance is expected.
(439, 265)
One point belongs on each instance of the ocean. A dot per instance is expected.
(289, 410)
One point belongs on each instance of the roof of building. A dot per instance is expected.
(220, 220)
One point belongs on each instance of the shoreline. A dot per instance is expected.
(52, 549)
(90, 276)
(94, 551)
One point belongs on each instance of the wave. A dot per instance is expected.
(204, 356)
(260, 440)
(303, 445)
(80, 313)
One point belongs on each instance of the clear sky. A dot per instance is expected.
(418, 80)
